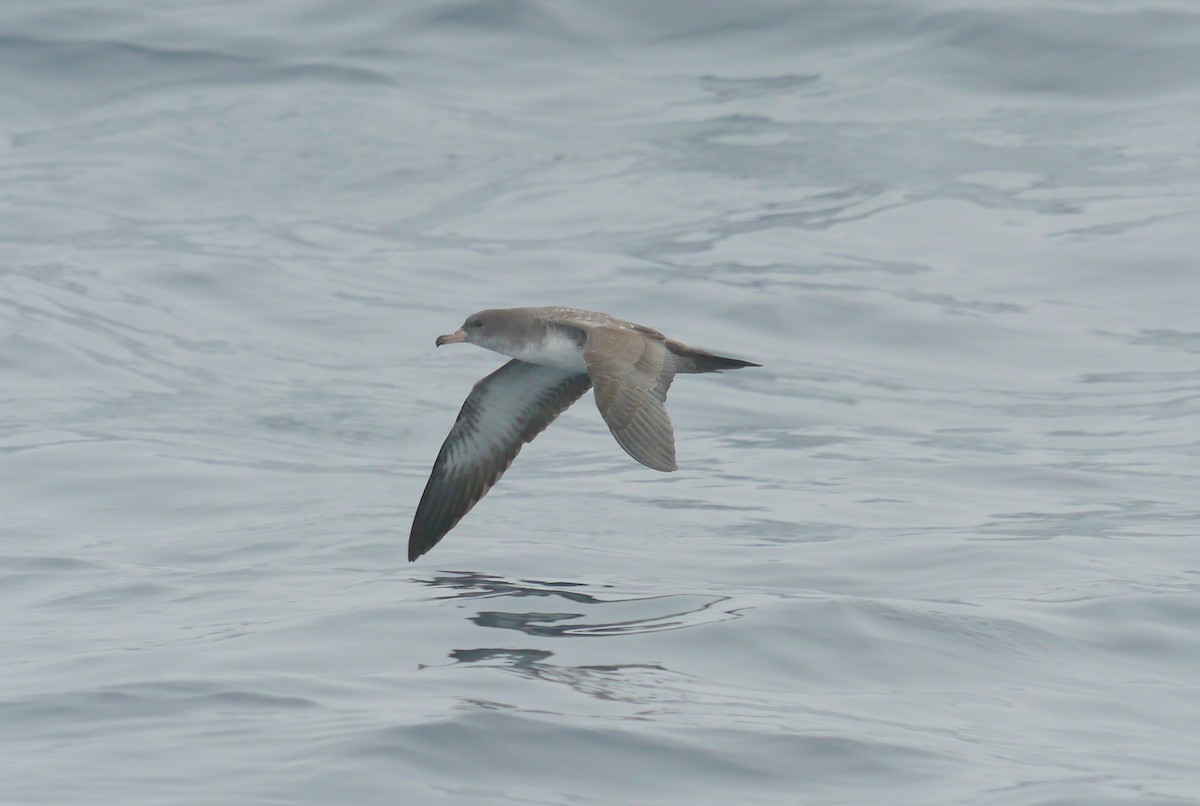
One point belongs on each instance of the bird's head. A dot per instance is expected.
(485, 329)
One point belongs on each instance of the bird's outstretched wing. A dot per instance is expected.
(504, 411)
(632, 374)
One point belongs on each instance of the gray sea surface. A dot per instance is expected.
(942, 548)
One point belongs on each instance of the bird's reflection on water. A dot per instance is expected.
(470, 584)
(628, 682)
(579, 611)
(591, 615)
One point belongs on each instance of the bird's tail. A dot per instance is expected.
(690, 359)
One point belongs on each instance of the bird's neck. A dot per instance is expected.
(552, 348)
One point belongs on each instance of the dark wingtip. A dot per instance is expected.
(419, 545)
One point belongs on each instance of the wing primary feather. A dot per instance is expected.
(632, 372)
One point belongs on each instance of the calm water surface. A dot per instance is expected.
(940, 549)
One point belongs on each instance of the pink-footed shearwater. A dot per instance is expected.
(557, 355)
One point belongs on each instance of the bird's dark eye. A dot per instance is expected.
(476, 323)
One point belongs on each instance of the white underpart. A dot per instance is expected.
(556, 350)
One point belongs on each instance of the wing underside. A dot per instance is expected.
(504, 411)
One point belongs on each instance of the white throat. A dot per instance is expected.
(555, 350)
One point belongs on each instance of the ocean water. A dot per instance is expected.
(942, 548)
